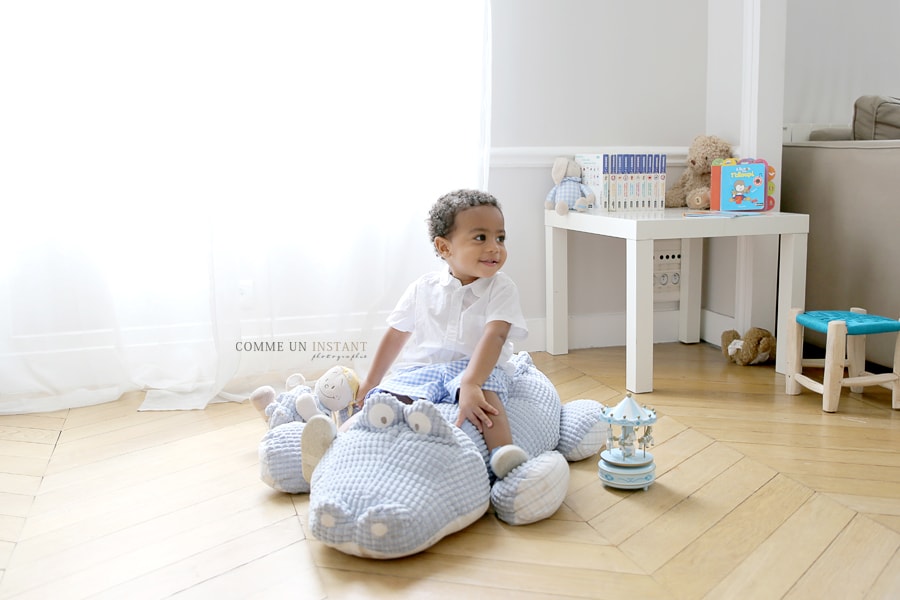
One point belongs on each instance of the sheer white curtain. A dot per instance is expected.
(199, 197)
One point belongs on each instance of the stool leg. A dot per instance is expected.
(895, 385)
(835, 352)
(856, 354)
(794, 353)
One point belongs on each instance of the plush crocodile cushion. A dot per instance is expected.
(403, 476)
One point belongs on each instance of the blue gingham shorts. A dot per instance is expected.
(440, 382)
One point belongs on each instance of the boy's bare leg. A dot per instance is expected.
(504, 455)
(499, 433)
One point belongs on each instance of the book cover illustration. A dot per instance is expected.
(595, 175)
(745, 185)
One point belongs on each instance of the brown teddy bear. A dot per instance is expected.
(756, 347)
(692, 188)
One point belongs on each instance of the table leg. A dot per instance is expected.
(639, 316)
(557, 276)
(690, 290)
(791, 287)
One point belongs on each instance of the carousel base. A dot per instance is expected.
(626, 472)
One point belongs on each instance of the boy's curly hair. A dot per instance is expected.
(442, 216)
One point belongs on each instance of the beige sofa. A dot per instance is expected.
(874, 118)
(851, 191)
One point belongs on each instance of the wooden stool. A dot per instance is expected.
(841, 352)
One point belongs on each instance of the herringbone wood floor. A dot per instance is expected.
(758, 495)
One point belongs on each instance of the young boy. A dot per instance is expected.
(452, 330)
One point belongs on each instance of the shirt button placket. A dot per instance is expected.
(451, 334)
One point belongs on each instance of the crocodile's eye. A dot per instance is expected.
(419, 422)
(381, 416)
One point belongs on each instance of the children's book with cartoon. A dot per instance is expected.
(744, 185)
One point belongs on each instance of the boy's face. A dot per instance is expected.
(476, 247)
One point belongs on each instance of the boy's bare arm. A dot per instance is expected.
(388, 350)
(472, 404)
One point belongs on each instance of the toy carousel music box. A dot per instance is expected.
(625, 463)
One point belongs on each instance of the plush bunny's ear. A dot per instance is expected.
(294, 380)
(261, 398)
(560, 166)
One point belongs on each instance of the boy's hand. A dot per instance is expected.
(364, 388)
(474, 407)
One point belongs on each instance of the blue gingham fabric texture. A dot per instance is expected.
(278, 456)
(438, 383)
(397, 482)
(536, 493)
(569, 190)
(284, 408)
(403, 477)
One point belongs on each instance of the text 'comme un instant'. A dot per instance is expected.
(297, 346)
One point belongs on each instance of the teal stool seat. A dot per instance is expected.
(857, 323)
(845, 354)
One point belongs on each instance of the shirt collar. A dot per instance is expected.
(478, 287)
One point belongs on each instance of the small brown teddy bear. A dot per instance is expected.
(756, 347)
(692, 188)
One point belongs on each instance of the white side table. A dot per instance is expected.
(639, 230)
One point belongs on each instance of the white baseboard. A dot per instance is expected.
(607, 330)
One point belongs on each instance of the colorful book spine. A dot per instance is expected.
(661, 187)
(613, 182)
(605, 204)
(625, 182)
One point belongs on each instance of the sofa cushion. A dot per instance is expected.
(831, 134)
(876, 118)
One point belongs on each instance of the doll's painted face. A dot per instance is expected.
(476, 246)
(337, 388)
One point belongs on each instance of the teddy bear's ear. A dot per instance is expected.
(728, 337)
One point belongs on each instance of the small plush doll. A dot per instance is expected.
(333, 395)
(568, 193)
(692, 188)
(336, 391)
(296, 404)
(756, 347)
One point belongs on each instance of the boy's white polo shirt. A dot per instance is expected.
(447, 319)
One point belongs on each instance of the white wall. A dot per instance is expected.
(554, 87)
(589, 73)
(581, 73)
(835, 52)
